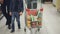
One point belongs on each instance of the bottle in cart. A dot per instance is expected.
(39, 18)
(39, 15)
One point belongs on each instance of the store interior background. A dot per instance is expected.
(51, 19)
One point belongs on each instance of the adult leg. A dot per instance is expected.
(18, 19)
(5, 13)
(3, 7)
(12, 22)
(8, 16)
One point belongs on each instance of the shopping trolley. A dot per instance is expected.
(33, 17)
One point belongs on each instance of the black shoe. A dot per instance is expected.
(9, 27)
(19, 27)
(12, 31)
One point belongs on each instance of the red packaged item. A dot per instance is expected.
(41, 9)
(33, 12)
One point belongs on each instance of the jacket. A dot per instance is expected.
(16, 5)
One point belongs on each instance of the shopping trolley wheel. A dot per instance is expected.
(38, 29)
(25, 29)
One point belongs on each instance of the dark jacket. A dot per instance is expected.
(16, 5)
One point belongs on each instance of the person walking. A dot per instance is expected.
(4, 4)
(16, 9)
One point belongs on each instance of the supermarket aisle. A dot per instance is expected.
(50, 25)
(51, 19)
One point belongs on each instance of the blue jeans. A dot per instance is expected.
(15, 14)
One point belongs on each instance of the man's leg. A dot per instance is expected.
(18, 19)
(12, 22)
(9, 17)
(3, 7)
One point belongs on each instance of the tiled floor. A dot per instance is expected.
(50, 24)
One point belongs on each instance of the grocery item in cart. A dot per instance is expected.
(28, 23)
(34, 24)
(33, 12)
(41, 9)
(28, 17)
(39, 24)
(39, 18)
(39, 14)
(32, 17)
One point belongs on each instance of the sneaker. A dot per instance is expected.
(19, 28)
(12, 31)
(9, 27)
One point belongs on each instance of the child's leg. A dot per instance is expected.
(18, 19)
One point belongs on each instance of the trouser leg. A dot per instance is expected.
(18, 19)
(12, 21)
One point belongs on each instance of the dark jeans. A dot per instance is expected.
(15, 14)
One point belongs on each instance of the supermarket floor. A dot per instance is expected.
(50, 24)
